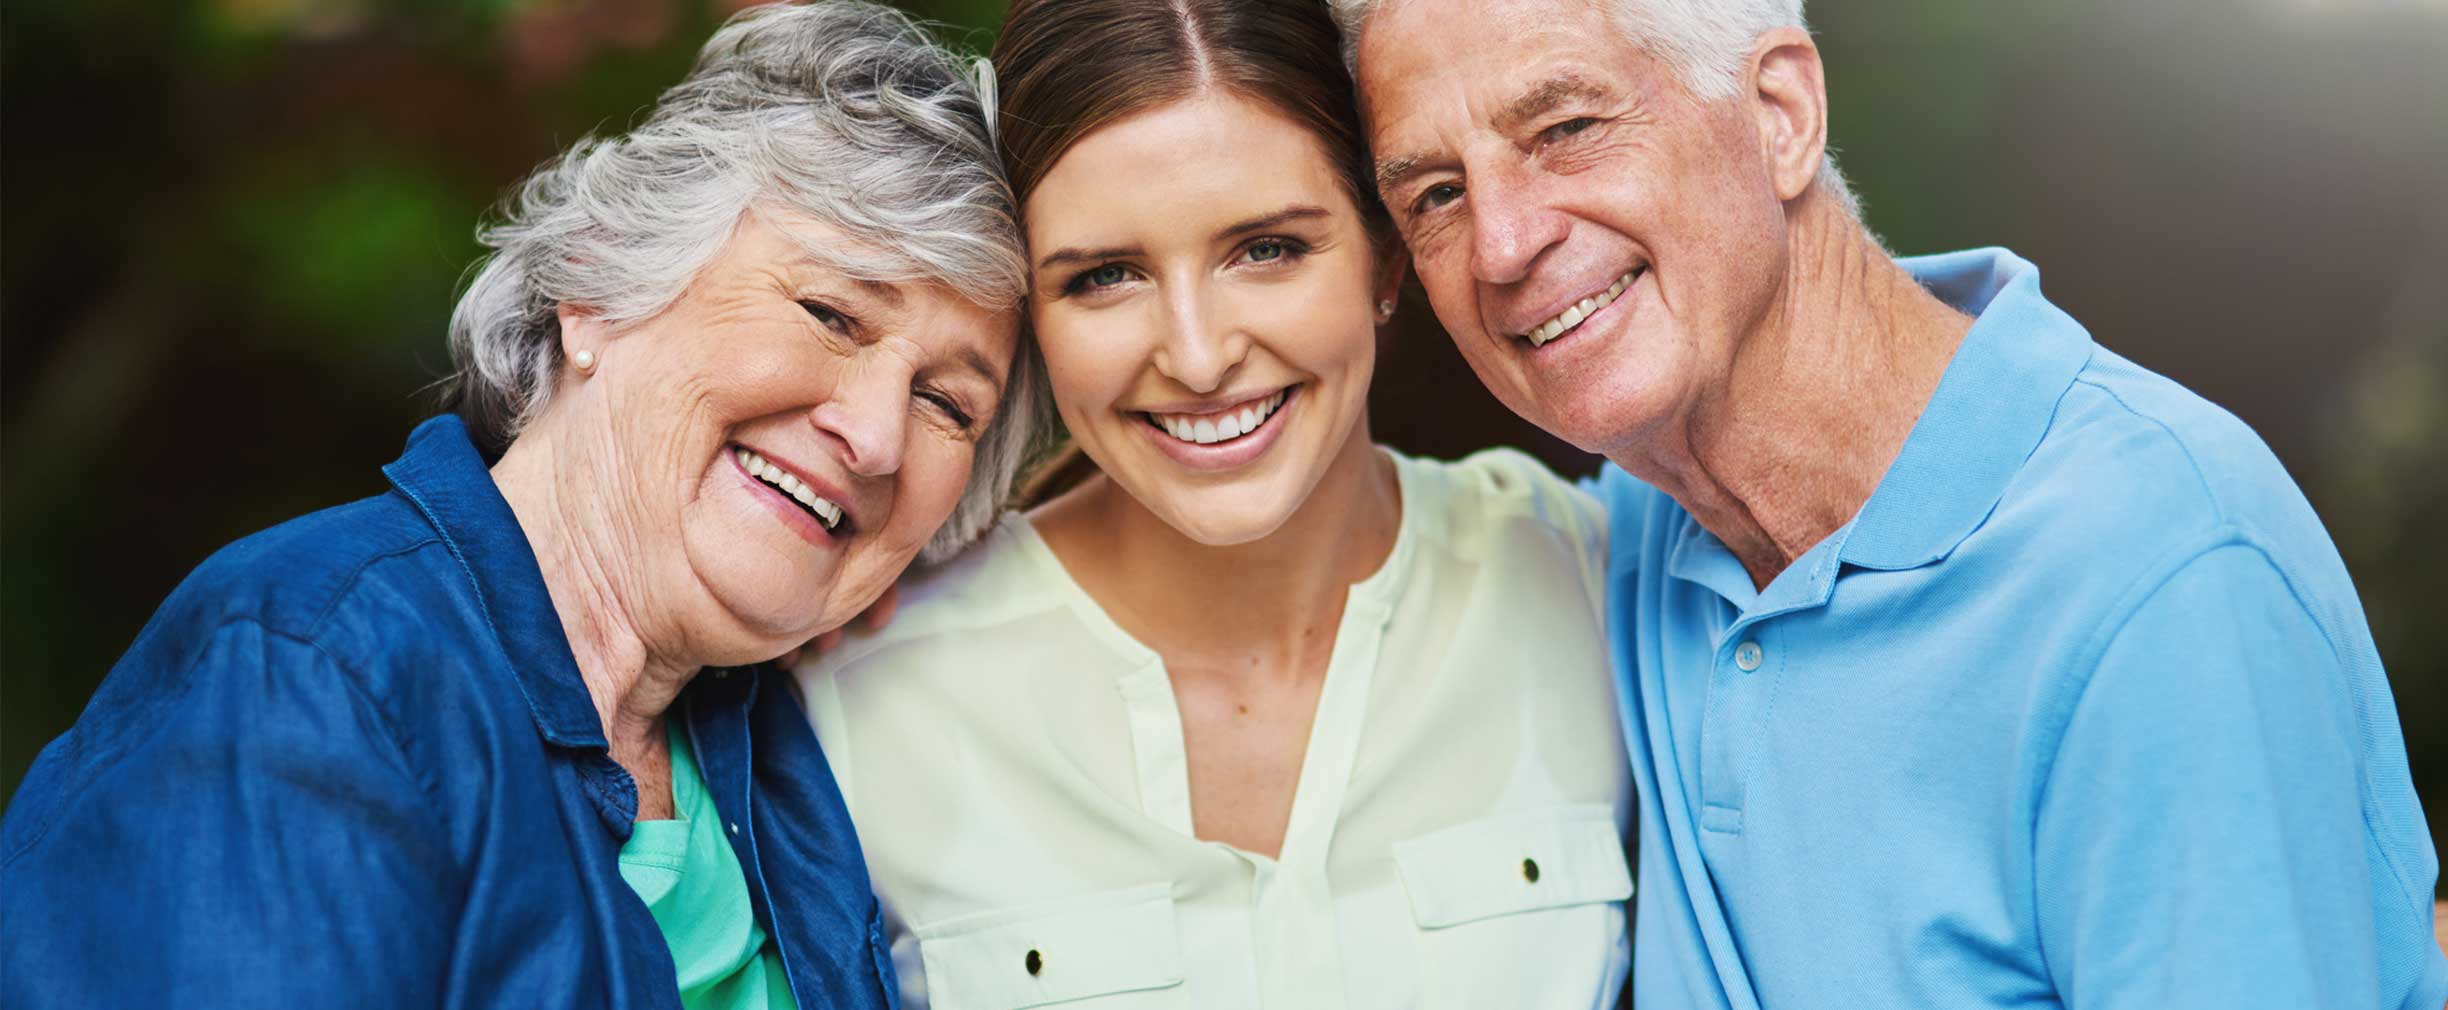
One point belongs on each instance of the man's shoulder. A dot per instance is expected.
(2139, 480)
(1639, 517)
(2133, 460)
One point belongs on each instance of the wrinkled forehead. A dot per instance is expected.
(866, 257)
(1440, 66)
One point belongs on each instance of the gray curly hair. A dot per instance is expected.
(837, 109)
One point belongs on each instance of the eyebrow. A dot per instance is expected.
(1393, 172)
(970, 358)
(889, 294)
(1078, 255)
(1265, 222)
(1544, 97)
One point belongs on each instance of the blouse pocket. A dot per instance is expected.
(1079, 950)
(1521, 910)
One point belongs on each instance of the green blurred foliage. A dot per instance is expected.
(235, 229)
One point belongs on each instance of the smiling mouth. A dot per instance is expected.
(1222, 426)
(1571, 318)
(827, 513)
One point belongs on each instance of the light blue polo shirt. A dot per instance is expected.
(2081, 709)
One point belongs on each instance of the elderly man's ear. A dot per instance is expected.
(1789, 99)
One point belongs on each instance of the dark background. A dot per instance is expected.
(234, 229)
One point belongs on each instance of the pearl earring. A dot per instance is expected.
(1385, 309)
(585, 360)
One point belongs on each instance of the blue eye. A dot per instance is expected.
(1273, 249)
(1105, 276)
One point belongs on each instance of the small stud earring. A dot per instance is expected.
(1385, 309)
(585, 360)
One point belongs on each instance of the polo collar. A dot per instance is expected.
(444, 476)
(1989, 413)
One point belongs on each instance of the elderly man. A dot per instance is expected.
(1964, 662)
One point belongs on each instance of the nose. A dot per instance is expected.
(1199, 351)
(868, 414)
(1510, 226)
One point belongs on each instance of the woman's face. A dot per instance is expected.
(1203, 288)
(787, 438)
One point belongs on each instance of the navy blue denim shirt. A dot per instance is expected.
(350, 763)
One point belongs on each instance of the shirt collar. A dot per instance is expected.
(1987, 416)
(444, 476)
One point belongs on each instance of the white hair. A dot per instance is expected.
(839, 110)
(1705, 44)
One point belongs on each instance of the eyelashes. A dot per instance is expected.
(944, 403)
(1263, 251)
(950, 407)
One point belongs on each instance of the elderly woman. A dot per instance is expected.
(494, 738)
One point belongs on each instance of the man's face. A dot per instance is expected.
(1596, 238)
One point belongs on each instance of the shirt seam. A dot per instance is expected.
(2201, 479)
(348, 585)
(186, 681)
(2244, 535)
(2155, 577)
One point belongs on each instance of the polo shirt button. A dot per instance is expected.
(1747, 656)
(1034, 962)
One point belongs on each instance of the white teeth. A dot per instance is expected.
(758, 468)
(1576, 312)
(1208, 430)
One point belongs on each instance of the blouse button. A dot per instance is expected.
(1530, 870)
(1034, 963)
(1747, 656)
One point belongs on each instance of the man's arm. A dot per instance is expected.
(2201, 840)
(253, 838)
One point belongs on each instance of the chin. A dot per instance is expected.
(760, 593)
(1227, 518)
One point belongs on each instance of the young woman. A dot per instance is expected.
(1260, 714)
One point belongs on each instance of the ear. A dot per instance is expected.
(1789, 100)
(581, 330)
(1393, 264)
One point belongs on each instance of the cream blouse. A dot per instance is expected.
(1015, 766)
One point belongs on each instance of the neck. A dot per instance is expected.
(1270, 606)
(1817, 401)
(558, 485)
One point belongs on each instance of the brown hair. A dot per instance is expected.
(1071, 67)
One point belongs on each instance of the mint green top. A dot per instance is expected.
(690, 879)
